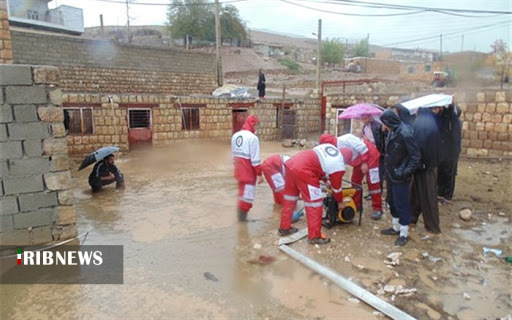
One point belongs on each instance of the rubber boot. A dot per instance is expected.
(242, 215)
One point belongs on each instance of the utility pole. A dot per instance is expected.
(129, 40)
(462, 44)
(318, 55)
(367, 53)
(218, 44)
(102, 30)
(440, 46)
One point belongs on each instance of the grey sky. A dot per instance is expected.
(287, 18)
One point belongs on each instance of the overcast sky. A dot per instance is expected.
(468, 33)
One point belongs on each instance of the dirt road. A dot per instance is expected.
(176, 221)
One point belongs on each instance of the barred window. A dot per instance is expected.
(190, 119)
(78, 120)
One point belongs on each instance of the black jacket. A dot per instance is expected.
(402, 153)
(378, 135)
(427, 138)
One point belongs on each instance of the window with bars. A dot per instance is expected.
(190, 119)
(139, 118)
(33, 14)
(78, 120)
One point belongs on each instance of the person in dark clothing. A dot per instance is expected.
(451, 146)
(400, 161)
(372, 131)
(404, 114)
(261, 84)
(424, 184)
(105, 173)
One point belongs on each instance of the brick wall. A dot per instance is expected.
(5, 36)
(36, 205)
(486, 118)
(103, 66)
(216, 118)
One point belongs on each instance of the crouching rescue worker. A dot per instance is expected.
(104, 173)
(245, 152)
(303, 174)
(274, 172)
(363, 156)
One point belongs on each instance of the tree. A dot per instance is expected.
(332, 51)
(501, 60)
(361, 49)
(196, 18)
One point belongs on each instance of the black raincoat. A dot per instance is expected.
(402, 153)
(427, 138)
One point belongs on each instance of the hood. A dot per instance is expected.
(390, 119)
(250, 123)
(328, 138)
(404, 114)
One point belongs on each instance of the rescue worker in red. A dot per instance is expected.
(303, 174)
(245, 152)
(363, 156)
(274, 172)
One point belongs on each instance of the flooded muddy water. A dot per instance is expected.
(177, 220)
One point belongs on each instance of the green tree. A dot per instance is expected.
(361, 49)
(196, 18)
(332, 51)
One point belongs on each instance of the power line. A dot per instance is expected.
(167, 4)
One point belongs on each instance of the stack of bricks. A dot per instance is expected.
(487, 124)
(36, 205)
(5, 35)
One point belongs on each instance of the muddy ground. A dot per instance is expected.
(176, 220)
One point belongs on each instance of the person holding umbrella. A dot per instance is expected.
(104, 173)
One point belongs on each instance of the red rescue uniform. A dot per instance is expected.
(274, 171)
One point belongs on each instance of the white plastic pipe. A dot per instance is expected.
(358, 292)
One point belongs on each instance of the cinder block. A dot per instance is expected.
(24, 167)
(25, 113)
(10, 150)
(6, 224)
(15, 75)
(41, 235)
(33, 148)
(39, 218)
(5, 114)
(3, 132)
(8, 205)
(26, 95)
(23, 184)
(33, 201)
(28, 131)
(15, 238)
(4, 169)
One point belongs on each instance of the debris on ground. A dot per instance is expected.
(393, 259)
(466, 296)
(210, 276)
(465, 214)
(257, 246)
(263, 260)
(497, 252)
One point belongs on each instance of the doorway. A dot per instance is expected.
(239, 116)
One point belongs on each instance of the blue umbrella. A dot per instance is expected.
(97, 155)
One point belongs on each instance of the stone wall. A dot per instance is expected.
(486, 118)
(36, 205)
(104, 66)
(111, 127)
(5, 35)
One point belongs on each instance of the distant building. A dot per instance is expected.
(406, 54)
(37, 15)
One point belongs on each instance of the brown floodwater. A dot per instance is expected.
(177, 220)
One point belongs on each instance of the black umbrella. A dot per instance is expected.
(97, 155)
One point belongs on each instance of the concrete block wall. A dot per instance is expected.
(110, 118)
(36, 205)
(5, 35)
(486, 118)
(104, 66)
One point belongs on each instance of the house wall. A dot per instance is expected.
(102, 66)
(111, 121)
(5, 35)
(486, 118)
(36, 203)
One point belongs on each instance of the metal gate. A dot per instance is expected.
(343, 126)
(288, 129)
(140, 126)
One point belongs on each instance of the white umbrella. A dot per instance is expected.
(428, 101)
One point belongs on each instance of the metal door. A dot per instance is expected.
(288, 129)
(239, 116)
(139, 126)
